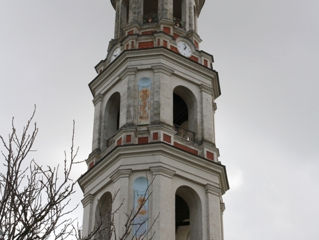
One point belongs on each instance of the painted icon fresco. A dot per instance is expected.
(141, 205)
(144, 96)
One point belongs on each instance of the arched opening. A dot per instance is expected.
(112, 116)
(184, 113)
(150, 11)
(188, 216)
(178, 12)
(103, 217)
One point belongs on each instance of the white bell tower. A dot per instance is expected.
(153, 137)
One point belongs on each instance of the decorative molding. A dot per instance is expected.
(206, 89)
(163, 171)
(214, 106)
(160, 68)
(88, 199)
(120, 173)
(222, 206)
(95, 153)
(131, 70)
(210, 189)
(97, 99)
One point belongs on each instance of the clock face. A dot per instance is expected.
(184, 48)
(116, 53)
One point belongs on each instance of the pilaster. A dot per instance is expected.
(214, 212)
(133, 11)
(117, 19)
(88, 214)
(96, 142)
(163, 199)
(165, 9)
(207, 115)
(120, 178)
(156, 91)
(131, 100)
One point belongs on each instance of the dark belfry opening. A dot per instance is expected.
(177, 12)
(118, 121)
(181, 212)
(127, 10)
(182, 219)
(180, 112)
(112, 117)
(188, 214)
(150, 11)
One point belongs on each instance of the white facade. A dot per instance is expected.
(154, 132)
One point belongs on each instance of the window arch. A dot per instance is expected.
(188, 214)
(184, 112)
(103, 217)
(150, 11)
(112, 116)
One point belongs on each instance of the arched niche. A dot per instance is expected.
(112, 116)
(188, 214)
(150, 11)
(103, 217)
(185, 112)
(140, 223)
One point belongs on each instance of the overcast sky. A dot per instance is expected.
(266, 53)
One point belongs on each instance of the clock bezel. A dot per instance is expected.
(112, 55)
(188, 44)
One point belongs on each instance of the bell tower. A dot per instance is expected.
(153, 135)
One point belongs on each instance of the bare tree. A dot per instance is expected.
(33, 199)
